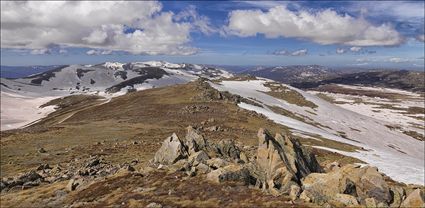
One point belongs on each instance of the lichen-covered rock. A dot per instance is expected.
(414, 199)
(198, 157)
(344, 200)
(280, 161)
(294, 192)
(233, 172)
(227, 149)
(216, 163)
(171, 151)
(398, 194)
(194, 141)
(363, 182)
(370, 203)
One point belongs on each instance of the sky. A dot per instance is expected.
(384, 34)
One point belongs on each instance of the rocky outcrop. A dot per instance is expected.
(282, 166)
(281, 162)
(359, 182)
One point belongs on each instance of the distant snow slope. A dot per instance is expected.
(397, 155)
(108, 79)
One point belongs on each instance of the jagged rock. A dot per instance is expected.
(370, 203)
(194, 141)
(345, 200)
(294, 192)
(198, 157)
(216, 163)
(227, 149)
(235, 173)
(398, 194)
(281, 160)
(350, 179)
(171, 151)
(414, 199)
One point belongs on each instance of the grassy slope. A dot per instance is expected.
(109, 130)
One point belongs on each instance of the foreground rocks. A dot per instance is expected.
(78, 172)
(282, 166)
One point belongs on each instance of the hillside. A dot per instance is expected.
(122, 135)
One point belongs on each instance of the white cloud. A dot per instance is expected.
(199, 22)
(340, 50)
(98, 25)
(323, 27)
(301, 52)
(93, 52)
(355, 49)
(398, 60)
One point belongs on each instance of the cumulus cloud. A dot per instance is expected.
(355, 49)
(301, 52)
(98, 25)
(323, 27)
(340, 50)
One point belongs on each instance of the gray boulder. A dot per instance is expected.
(171, 151)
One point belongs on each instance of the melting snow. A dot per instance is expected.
(395, 154)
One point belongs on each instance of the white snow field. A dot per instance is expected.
(21, 98)
(372, 106)
(18, 110)
(399, 156)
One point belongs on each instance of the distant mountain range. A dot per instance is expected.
(23, 71)
(109, 77)
(311, 76)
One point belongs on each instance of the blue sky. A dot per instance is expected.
(336, 34)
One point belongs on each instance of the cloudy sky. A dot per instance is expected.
(344, 34)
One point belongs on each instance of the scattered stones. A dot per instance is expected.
(43, 167)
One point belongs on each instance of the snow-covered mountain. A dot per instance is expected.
(108, 78)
